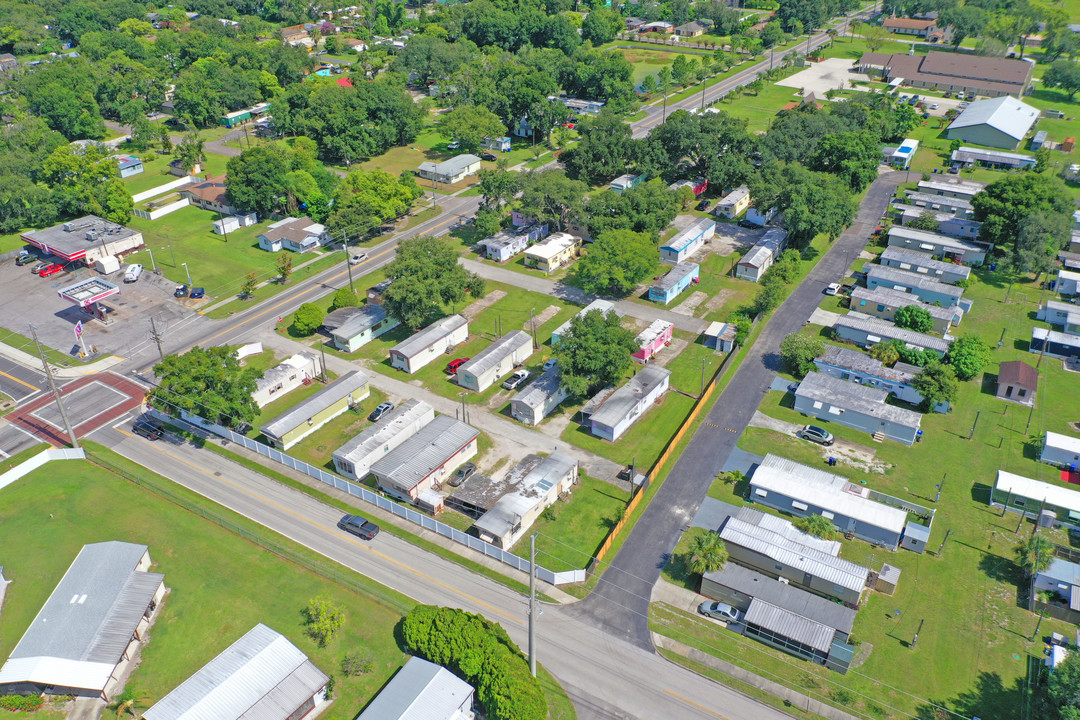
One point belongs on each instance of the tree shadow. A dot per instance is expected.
(1001, 569)
(989, 384)
(988, 699)
(771, 361)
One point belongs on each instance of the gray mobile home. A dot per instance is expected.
(855, 406)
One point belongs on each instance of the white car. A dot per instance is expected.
(515, 380)
(454, 145)
(357, 258)
(833, 289)
(934, 106)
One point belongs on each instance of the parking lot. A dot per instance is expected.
(28, 298)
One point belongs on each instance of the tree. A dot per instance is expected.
(968, 356)
(937, 384)
(498, 186)
(344, 297)
(324, 619)
(886, 353)
(469, 125)
(553, 197)
(914, 318)
(1035, 554)
(1064, 74)
(966, 21)
(605, 151)
(368, 198)
(707, 553)
(601, 26)
(875, 36)
(251, 281)
(768, 298)
(424, 277)
(86, 181)
(284, 267)
(594, 352)
(256, 179)
(616, 262)
(308, 318)
(852, 156)
(1002, 205)
(817, 525)
(1039, 237)
(927, 220)
(189, 151)
(1063, 686)
(207, 382)
(797, 352)
(165, 138)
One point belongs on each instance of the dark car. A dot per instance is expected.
(197, 293)
(358, 526)
(491, 157)
(748, 225)
(463, 473)
(704, 205)
(380, 410)
(25, 258)
(180, 291)
(148, 429)
(453, 365)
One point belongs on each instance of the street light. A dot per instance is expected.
(188, 274)
(153, 265)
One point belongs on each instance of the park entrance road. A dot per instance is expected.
(620, 603)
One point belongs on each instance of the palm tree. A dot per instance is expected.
(1035, 554)
(707, 553)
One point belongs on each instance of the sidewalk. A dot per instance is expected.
(33, 362)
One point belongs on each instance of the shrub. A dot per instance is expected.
(356, 663)
(344, 297)
(324, 619)
(307, 319)
(21, 703)
(797, 353)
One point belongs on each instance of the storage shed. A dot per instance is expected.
(1017, 382)
(496, 360)
(720, 336)
(424, 346)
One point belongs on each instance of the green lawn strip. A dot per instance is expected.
(21, 342)
(560, 707)
(644, 441)
(49, 515)
(694, 364)
(290, 399)
(571, 531)
(760, 109)
(155, 173)
(318, 447)
(272, 288)
(11, 241)
(22, 456)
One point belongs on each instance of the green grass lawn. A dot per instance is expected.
(571, 531)
(686, 368)
(760, 109)
(645, 439)
(11, 241)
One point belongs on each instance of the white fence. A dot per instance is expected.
(161, 211)
(25, 468)
(167, 187)
(549, 576)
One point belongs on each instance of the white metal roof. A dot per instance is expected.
(604, 306)
(423, 453)
(908, 278)
(552, 246)
(691, 234)
(405, 418)
(886, 330)
(494, 353)
(786, 529)
(825, 490)
(930, 238)
(422, 340)
(890, 297)
(261, 676)
(529, 491)
(788, 624)
(1021, 486)
(919, 259)
(619, 403)
(420, 691)
(317, 403)
(1005, 114)
(963, 187)
(1062, 442)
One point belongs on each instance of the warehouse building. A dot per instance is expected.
(355, 458)
(856, 406)
(301, 420)
(529, 488)
(496, 360)
(536, 401)
(1000, 122)
(412, 469)
(430, 343)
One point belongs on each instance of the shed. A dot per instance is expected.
(496, 360)
(424, 346)
(261, 675)
(674, 281)
(302, 419)
(915, 537)
(528, 489)
(425, 459)
(720, 336)
(367, 323)
(533, 403)
(1017, 382)
(613, 416)
(421, 691)
(128, 165)
(355, 458)
(1061, 450)
(855, 406)
(1038, 140)
(887, 579)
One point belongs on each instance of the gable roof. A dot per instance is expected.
(419, 691)
(1018, 372)
(907, 23)
(1005, 114)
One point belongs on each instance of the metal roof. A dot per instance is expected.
(944, 201)
(604, 306)
(944, 241)
(400, 420)
(339, 317)
(768, 245)
(453, 166)
(970, 154)
(734, 196)
(788, 624)
(675, 275)
(656, 329)
(422, 340)
(912, 279)
(536, 393)
(423, 453)
(786, 529)
(918, 259)
(888, 331)
(261, 676)
(525, 492)
(1005, 114)
(320, 401)
(552, 245)
(301, 362)
(854, 397)
(1058, 338)
(964, 187)
(850, 359)
(420, 691)
(82, 631)
(1062, 571)
(808, 605)
(1021, 486)
(366, 317)
(825, 490)
(495, 353)
(70, 238)
(892, 298)
(690, 234)
(620, 402)
(1062, 442)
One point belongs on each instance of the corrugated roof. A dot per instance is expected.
(1021, 486)
(422, 340)
(675, 275)
(964, 187)
(689, 235)
(918, 259)
(786, 529)
(850, 359)
(944, 241)
(944, 201)
(620, 402)
(897, 299)
(912, 279)
(525, 492)
(768, 245)
(261, 676)
(971, 154)
(320, 401)
(552, 246)
(734, 196)
(453, 166)
(366, 317)
(496, 352)
(401, 419)
(1062, 442)
(420, 691)
(337, 318)
(857, 398)
(788, 624)
(604, 306)
(825, 490)
(794, 554)
(656, 329)
(537, 393)
(808, 605)
(419, 456)
(888, 331)
(1005, 114)
(1062, 571)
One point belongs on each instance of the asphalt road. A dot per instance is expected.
(18, 382)
(620, 602)
(608, 679)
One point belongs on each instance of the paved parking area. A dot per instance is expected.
(90, 402)
(730, 237)
(28, 298)
(829, 74)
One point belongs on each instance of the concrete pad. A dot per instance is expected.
(819, 78)
(712, 513)
(824, 317)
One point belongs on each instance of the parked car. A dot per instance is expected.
(550, 364)
(963, 105)
(515, 380)
(816, 435)
(39, 267)
(453, 145)
(463, 473)
(719, 611)
(748, 225)
(50, 269)
(453, 365)
(357, 258)
(148, 429)
(25, 258)
(934, 106)
(792, 387)
(180, 291)
(832, 289)
(489, 156)
(361, 527)
(380, 410)
(133, 273)
(197, 293)
(704, 205)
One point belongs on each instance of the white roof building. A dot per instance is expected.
(422, 691)
(1005, 115)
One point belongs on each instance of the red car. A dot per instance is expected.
(453, 365)
(50, 270)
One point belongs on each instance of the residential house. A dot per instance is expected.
(775, 548)
(688, 241)
(926, 289)
(660, 26)
(309, 415)
(1023, 495)
(1068, 282)
(1018, 382)
(951, 72)
(422, 691)
(557, 250)
(128, 165)
(866, 331)
(176, 167)
(1065, 315)
(900, 157)
(947, 224)
(533, 403)
(296, 36)
(856, 406)
(355, 458)
(883, 302)
(652, 340)
(734, 203)
(367, 323)
(633, 23)
(923, 264)
(261, 675)
(529, 488)
(430, 343)
(690, 30)
(300, 369)
(299, 235)
(426, 459)
(602, 306)
(961, 207)
(209, 195)
(951, 188)
(720, 336)
(617, 411)
(762, 255)
(759, 217)
(626, 182)
(800, 490)
(853, 366)
(355, 45)
(450, 171)
(508, 243)
(1054, 343)
(911, 26)
(1061, 450)
(498, 359)
(1000, 122)
(674, 281)
(500, 144)
(966, 157)
(940, 246)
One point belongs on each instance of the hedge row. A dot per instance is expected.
(16, 703)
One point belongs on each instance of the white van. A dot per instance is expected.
(132, 273)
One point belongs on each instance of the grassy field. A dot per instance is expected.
(645, 439)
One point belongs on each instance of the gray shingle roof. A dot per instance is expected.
(320, 401)
(423, 453)
(856, 398)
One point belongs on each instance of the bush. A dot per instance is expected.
(968, 356)
(914, 318)
(356, 663)
(324, 619)
(21, 703)
(307, 319)
(344, 297)
(797, 353)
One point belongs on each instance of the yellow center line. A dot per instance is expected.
(363, 546)
(699, 706)
(21, 382)
(305, 292)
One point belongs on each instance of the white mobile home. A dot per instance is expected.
(496, 360)
(538, 399)
(1061, 450)
(437, 338)
(355, 458)
(866, 331)
(425, 459)
(855, 406)
(940, 246)
(762, 255)
(301, 420)
(614, 415)
(293, 372)
(687, 242)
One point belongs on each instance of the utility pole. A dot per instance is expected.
(916, 638)
(55, 390)
(348, 264)
(532, 326)
(532, 604)
(322, 349)
(224, 230)
(947, 534)
(1038, 625)
(972, 433)
(157, 338)
(940, 485)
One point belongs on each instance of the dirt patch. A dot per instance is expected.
(717, 301)
(862, 654)
(483, 304)
(690, 304)
(549, 312)
(846, 452)
(669, 353)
